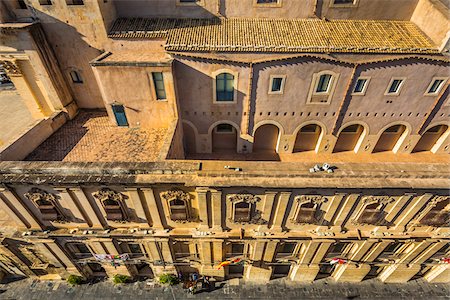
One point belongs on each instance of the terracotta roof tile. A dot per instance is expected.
(278, 35)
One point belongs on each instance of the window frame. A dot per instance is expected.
(153, 83)
(235, 86)
(441, 86)
(78, 77)
(71, 4)
(47, 2)
(330, 91)
(283, 82)
(366, 84)
(233, 130)
(279, 3)
(113, 110)
(400, 87)
(196, 3)
(344, 5)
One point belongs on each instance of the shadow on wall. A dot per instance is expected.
(61, 143)
(160, 9)
(198, 107)
(73, 54)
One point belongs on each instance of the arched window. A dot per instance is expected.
(113, 210)
(76, 77)
(178, 210)
(225, 87)
(323, 84)
(46, 203)
(242, 212)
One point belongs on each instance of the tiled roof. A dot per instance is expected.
(278, 35)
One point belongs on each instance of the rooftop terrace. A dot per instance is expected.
(90, 137)
(278, 35)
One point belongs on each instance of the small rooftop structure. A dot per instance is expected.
(278, 35)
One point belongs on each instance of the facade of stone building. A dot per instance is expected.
(174, 135)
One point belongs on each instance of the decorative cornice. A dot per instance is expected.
(316, 199)
(243, 197)
(106, 193)
(10, 67)
(175, 194)
(378, 199)
(36, 194)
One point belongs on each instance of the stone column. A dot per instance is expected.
(438, 274)
(135, 199)
(410, 211)
(87, 207)
(202, 206)
(71, 268)
(332, 207)
(308, 266)
(398, 205)
(71, 204)
(16, 208)
(341, 216)
(6, 206)
(269, 199)
(216, 209)
(112, 270)
(153, 209)
(403, 271)
(280, 210)
(354, 271)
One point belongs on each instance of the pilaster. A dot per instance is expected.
(153, 208)
(280, 210)
(413, 208)
(86, 205)
(202, 206)
(135, 199)
(216, 207)
(15, 206)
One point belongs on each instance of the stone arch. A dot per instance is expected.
(308, 140)
(190, 137)
(432, 138)
(391, 136)
(267, 139)
(224, 142)
(351, 140)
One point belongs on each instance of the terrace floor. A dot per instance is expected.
(90, 137)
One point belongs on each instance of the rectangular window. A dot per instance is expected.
(76, 77)
(119, 113)
(237, 249)
(45, 2)
(266, 1)
(343, 2)
(360, 86)
(323, 83)
(224, 128)
(395, 86)
(74, 2)
(158, 82)
(135, 248)
(276, 84)
(435, 86)
(188, 1)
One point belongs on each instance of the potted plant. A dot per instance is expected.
(169, 279)
(118, 279)
(74, 280)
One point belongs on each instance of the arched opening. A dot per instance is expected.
(348, 138)
(430, 138)
(389, 138)
(224, 139)
(189, 139)
(307, 138)
(266, 138)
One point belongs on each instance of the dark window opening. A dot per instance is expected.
(22, 4)
(242, 212)
(76, 77)
(119, 114)
(158, 81)
(178, 210)
(277, 83)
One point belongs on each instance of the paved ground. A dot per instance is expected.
(92, 137)
(14, 116)
(277, 289)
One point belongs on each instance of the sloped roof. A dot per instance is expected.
(278, 35)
